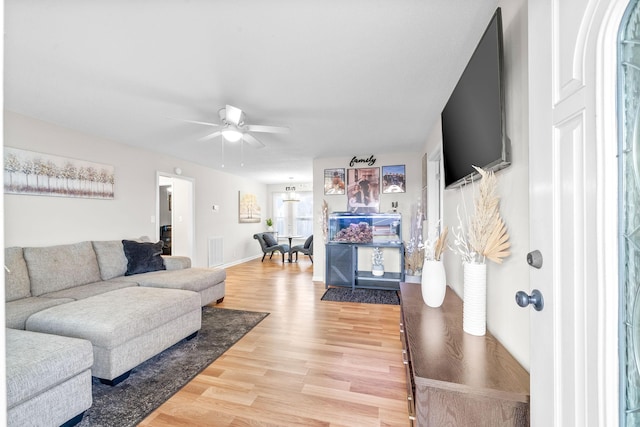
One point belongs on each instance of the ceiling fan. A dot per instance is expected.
(234, 127)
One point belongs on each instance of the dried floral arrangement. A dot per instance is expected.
(413, 260)
(325, 221)
(414, 248)
(435, 245)
(487, 236)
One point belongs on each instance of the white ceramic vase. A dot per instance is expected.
(474, 311)
(434, 283)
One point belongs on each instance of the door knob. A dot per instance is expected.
(535, 299)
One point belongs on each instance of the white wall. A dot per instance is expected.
(41, 220)
(508, 322)
(413, 171)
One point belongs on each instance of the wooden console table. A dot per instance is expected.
(453, 378)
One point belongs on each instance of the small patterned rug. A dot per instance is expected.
(367, 296)
(153, 382)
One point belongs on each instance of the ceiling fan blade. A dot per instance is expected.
(251, 140)
(268, 129)
(233, 114)
(197, 122)
(210, 136)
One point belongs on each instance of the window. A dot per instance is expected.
(293, 218)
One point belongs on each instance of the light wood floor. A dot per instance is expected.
(309, 363)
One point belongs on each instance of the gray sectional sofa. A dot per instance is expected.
(121, 298)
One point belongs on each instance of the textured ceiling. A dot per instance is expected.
(347, 77)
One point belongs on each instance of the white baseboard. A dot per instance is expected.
(239, 261)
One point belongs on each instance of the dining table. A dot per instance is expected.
(290, 237)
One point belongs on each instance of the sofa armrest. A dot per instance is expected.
(174, 262)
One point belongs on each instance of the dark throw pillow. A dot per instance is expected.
(143, 257)
(269, 239)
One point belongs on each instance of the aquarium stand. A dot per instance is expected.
(342, 267)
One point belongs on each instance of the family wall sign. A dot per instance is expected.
(370, 161)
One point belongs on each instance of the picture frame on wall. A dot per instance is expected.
(40, 174)
(334, 181)
(394, 179)
(363, 190)
(248, 208)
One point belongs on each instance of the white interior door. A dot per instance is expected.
(568, 187)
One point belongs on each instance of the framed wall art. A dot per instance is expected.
(334, 181)
(248, 208)
(393, 179)
(363, 190)
(38, 174)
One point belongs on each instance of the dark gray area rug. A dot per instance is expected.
(153, 382)
(368, 296)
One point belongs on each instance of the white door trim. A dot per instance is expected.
(607, 203)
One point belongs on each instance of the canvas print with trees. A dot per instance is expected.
(28, 172)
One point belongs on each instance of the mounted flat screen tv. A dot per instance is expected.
(473, 120)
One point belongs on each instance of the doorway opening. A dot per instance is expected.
(175, 213)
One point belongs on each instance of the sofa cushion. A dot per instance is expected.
(92, 289)
(143, 257)
(191, 279)
(269, 240)
(16, 279)
(111, 258)
(55, 268)
(175, 262)
(51, 360)
(17, 312)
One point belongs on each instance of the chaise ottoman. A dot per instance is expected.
(48, 379)
(126, 326)
(208, 282)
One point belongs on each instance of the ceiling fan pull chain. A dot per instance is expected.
(222, 145)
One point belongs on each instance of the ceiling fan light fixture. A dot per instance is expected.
(232, 134)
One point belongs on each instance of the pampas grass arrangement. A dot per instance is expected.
(414, 248)
(487, 237)
(440, 244)
(435, 245)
